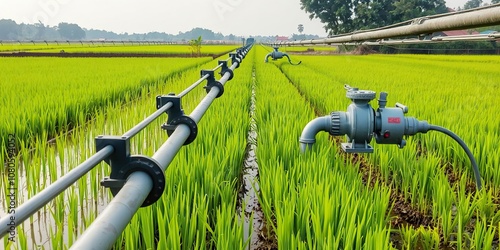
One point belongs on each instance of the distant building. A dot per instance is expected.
(281, 38)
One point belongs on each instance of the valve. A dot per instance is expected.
(361, 123)
(275, 55)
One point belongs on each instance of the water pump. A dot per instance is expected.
(361, 123)
(275, 55)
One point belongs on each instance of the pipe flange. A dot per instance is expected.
(186, 120)
(228, 70)
(215, 84)
(148, 166)
(335, 129)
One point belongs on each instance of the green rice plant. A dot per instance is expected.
(429, 238)
(410, 237)
(483, 236)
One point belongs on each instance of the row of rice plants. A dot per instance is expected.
(110, 47)
(313, 200)
(308, 48)
(17, 47)
(419, 175)
(197, 210)
(201, 181)
(48, 95)
(148, 49)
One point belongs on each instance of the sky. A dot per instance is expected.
(238, 17)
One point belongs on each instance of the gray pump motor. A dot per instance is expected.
(361, 123)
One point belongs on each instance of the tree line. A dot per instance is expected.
(344, 16)
(12, 31)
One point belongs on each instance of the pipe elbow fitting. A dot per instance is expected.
(267, 57)
(308, 136)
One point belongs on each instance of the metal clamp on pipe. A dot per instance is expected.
(225, 69)
(176, 116)
(275, 55)
(123, 165)
(235, 59)
(211, 82)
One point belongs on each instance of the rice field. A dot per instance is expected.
(420, 197)
(317, 48)
(181, 49)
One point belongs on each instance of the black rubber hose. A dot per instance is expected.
(290, 61)
(464, 146)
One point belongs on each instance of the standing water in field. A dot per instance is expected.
(248, 195)
(59, 222)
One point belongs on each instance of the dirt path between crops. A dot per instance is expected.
(256, 230)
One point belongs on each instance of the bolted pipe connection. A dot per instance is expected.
(361, 123)
(275, 55)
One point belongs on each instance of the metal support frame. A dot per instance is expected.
(211, 82)
(123, 165)
(225, 70)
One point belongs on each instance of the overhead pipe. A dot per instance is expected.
(433, 40)
(479, 17)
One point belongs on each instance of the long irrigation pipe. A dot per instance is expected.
(137, 186)
(479, 17)
(437, 39)
(106, 228)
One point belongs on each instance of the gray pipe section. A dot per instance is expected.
(308, 136)
(135, 130)
(104, 231)
(466, 20)
(30, 207)
(106, 228)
